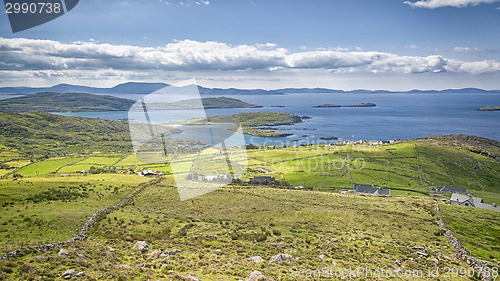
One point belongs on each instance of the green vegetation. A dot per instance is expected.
(217, 233)
(64, 102)
(39, 134)
(208, 103)
(252, 122)
(478, 230)
(494, 108)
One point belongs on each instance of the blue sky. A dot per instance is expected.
(345, 44)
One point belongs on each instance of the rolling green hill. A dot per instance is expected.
(68, 102)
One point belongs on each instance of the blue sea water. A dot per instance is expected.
(396, 116)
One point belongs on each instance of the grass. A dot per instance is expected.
(372, 232)
(478, 230)
(33, 209)
(46, 167)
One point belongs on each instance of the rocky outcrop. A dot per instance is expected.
(278, 259)
(256, 276)
(141, 246)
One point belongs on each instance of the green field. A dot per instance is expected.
(46, 167)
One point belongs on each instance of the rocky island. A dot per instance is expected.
(494, 108)
(363, 104)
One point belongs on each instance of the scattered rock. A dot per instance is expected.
(147, 265)
(171, 272)
(193, 278)
(80, 274)
(126, 266)
(334, 240)
(150, 260)
(422, 254)
(322, 257)
(82, 256)
(218, 251)
(398, 262)
(68, 274)
(109, 250)
(40, 257)
(142, 246)
(256, 276)
(213, 256)
(155, 254)
(278, 259)
(63, 252)
(256, 259)
(163, 255)
(173, 252)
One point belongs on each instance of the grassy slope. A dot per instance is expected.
(64, 102)
(247, 222)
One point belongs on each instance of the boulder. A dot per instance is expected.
(322, 257)
(173, 252)
(80, 274)
(278, 259)
(109, 250)
(256, 259)
(193, 278)
(125, 266)
(256, 276)
(141, 246)
(63, 252)
(68, 274)
(155, 254)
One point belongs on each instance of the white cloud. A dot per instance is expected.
(51, 57)
(432, 4)
(466, 49)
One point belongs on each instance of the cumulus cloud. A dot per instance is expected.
(433, 4)
(51, 57)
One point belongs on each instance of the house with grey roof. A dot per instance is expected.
(466, 200)
(262, 179)
(453, 189)
(369, 189)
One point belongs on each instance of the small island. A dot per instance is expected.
(329, 138)
(494, 108)
(253, 123)
(328, 105)
(363, 104)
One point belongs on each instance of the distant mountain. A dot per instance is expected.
(146, 88)
(64, 102)
(80, 102)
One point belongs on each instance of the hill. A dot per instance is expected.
(42, 134)
(64, 102)
(146, 88)
(208, 103)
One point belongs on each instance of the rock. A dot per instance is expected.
(125, 266)
(171, 272)
(68, 274)
(147, 265)
(109, 250)
(256, 259)
(218, 251)
(150, 260)
(142, 246)
(398, 262)
(193, 278)
(256, 276)
(80, 274)
(422, 254)
(82, 256)
(334, 240)
(163, 255)
(155, 254)
(40, 257)
(278, 259)
(63, 252)
(322, 257)
(173, 252)
(213, 256)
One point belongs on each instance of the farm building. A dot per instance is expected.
(369, 189)
(453, 189)
(465, 200)
(262, 179)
